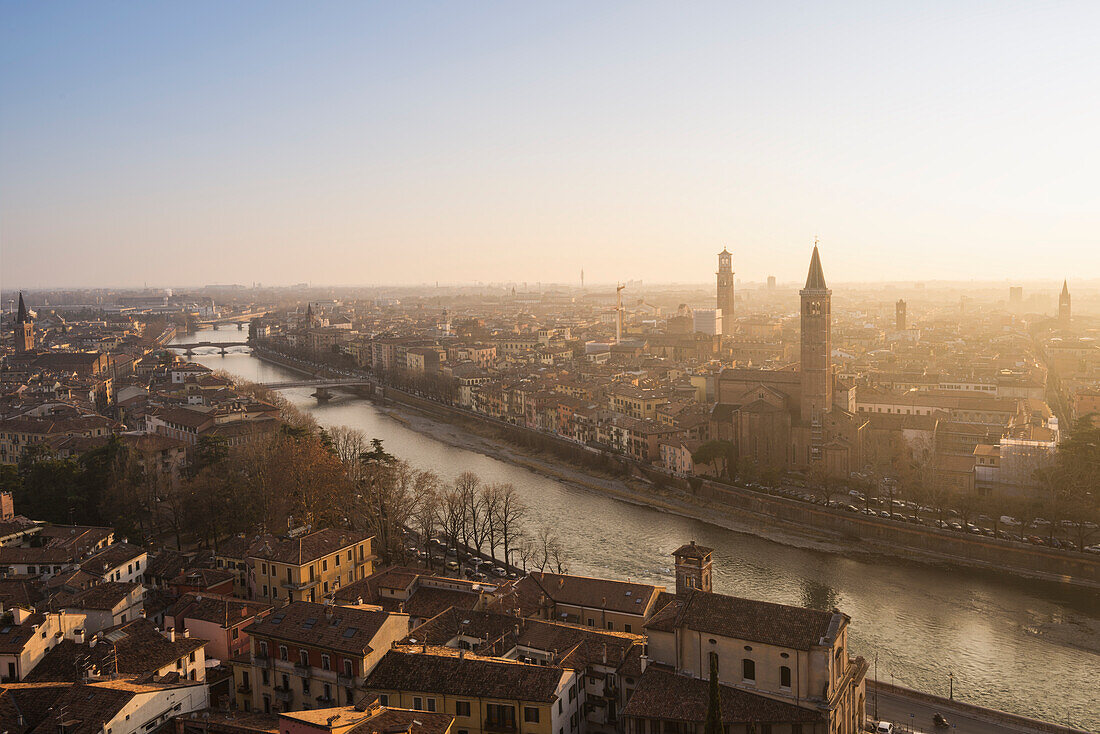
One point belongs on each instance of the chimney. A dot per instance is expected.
(605, 653)
(171, 634)
(644, 660)
(186, 633)
(142, 612)
(461, 654)
(78, 636)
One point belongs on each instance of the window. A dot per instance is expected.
(418, 703)
(500, 715)
(384, 699)
(572, 692)
(611, 625)
(191, 658)
(324, 564)
(531, 714)
(263, 648)
(326, 662)
(591, 622)
(303, 658)
(337, 559)
(748, 670)
(462, 708)
(283, 655)
(431, 704)
(785, 677)
(349, 669)
(626, 628)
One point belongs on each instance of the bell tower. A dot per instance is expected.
(1063, 304)
(693, 568)
(725, 285)
(900, 320)
(817, 377)
(24, 329)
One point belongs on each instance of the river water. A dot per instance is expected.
(1028, 647)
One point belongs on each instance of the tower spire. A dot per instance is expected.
(815, 279)
(21, 316)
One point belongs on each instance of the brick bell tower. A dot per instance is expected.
(693, 568)
(725, 284)
(24, 329)
(817, 377)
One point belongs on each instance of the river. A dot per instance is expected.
(1024, 646)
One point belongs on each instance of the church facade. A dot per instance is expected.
(796, 417)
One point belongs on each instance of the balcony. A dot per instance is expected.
(347, 681)
(306, 671)
(244, 688)
(326, 700)
(283, 694)
(302, 586)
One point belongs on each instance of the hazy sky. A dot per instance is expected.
(195, 142)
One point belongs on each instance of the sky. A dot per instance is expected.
(183, 143)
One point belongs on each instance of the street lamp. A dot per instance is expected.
(951, 685)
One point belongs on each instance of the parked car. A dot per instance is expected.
(452, 565)
(884, 727)
(498, 571)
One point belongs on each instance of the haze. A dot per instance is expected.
(366, 143)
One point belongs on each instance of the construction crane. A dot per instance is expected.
(619, 313)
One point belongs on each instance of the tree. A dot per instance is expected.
(466, 484)
(713, 724)
(427, 519)
(510, 513)
(715, 453)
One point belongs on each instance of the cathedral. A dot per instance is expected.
(797, 417)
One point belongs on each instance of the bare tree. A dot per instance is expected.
(452, 517)
(510, 511)
(548, 550)
(467, 484)
(427, 518)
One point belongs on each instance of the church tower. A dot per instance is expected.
(1063, 304)
(24, 329)
(900, 320)
(693, 568)
(725, 285)
(817, 377)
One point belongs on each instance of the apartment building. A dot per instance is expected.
(485, 695)
(307, 655)
(309, 566)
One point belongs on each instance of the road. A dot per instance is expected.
(910, 715)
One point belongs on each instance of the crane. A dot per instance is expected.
(619, 313)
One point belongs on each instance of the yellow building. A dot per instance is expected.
(484, 695)
(308, 567)
(636, 402)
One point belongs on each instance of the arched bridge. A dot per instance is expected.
(220, 346)
(323, 385)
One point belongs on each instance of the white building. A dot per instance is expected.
(707, 321)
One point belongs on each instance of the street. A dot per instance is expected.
(911, 715)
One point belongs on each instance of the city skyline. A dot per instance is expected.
(366, 144)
